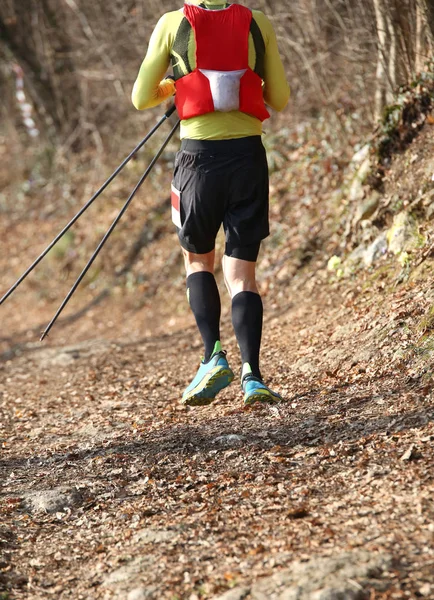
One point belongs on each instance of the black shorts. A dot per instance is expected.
(221, 181)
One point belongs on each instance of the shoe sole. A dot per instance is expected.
(263, 395)
(205, 393)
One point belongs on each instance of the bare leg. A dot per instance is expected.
(247, 310)
(195, 263)
(247, 314)
(240, 275)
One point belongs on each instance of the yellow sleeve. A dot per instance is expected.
(150, 89)
(276, 88)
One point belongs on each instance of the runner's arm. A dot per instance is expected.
(150, 89)
(276, 88)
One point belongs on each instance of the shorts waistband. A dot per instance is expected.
(232, 145)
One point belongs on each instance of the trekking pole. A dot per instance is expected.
(109, 231)
(89, 202)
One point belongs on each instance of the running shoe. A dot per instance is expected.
(212, 376)
(255, 389)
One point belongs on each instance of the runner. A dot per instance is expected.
(225, 64)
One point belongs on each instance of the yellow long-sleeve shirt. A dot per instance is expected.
(150, 89)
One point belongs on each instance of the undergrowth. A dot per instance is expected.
(401, 123)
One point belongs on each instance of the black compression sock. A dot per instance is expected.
(247, 314)
(204, 298)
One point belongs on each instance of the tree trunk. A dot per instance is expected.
(35, 37)
(381, 72)
(419, 58)
(425, 36)
(429, 4)
(391, 57)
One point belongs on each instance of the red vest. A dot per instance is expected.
(222, 79)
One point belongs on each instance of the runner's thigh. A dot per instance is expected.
(198, 199)
(246, 216)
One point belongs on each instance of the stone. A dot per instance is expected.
(52, 501)
(367, 208)
(305, 366)
(356, 186)
(362, 154)
(236, 594)
(404, 234)
(341, 332)
(367, 255)
(344, 577)
(426, 590)
(376, 250)
(66, 355)
(154, 536)
(127, 573)
(140, 593)
(428, 202)
(364, 354)
(356, 256)
(345, 593)
(231, 439)
(428, 198)
(292, 594)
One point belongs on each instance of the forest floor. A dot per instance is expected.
(110, 488)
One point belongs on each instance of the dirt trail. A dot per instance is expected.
(111, 489)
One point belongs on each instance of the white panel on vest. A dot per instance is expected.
(225, 88)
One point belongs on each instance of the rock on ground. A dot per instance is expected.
(346, 577)
(52, 501)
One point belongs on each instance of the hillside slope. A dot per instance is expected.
(111, 489)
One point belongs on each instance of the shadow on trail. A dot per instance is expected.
(151, 342)
(145, 237)
(310, 430)
(22, 347)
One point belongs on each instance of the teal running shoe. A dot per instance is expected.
(211, 378)
(255, 390)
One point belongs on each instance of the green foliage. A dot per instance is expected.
(402, 120)
(273, 144)
(426, 324)
(44, 164)
(60, 250)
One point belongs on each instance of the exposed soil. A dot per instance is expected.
(150, 497)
